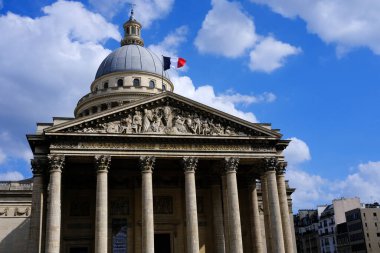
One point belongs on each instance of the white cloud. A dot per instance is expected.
(171, 42)
(47, 62)
(11, 176)
(313, 190)
(205, 94)
(146, 11)
(297, 152)
(227, 101)
(226, 30)
(348, 23)
(270, 54)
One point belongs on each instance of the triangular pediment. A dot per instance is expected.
(163, 114)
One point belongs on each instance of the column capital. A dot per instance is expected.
(190, 163)
(231, 164)
(281, 168)
(103, 163)
(271, 164)
(147, 163)
(56, 162)
(37, 166)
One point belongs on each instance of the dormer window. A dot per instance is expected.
(120, 83)
(136, 82)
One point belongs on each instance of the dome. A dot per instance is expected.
(131, 58)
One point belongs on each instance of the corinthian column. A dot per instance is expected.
(255, 220)
(264, 193)
(101, 214)
(53, 224)
(274, 206)
(146, 165)
(217, 213)
(284, 208)
(35, 232)
(189, 166)
(235, 238)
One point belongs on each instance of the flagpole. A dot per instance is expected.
(162, 74)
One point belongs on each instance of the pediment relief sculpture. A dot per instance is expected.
(163, 119)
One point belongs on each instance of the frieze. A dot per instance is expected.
(14, 211)
(162, 146)
(163, 119)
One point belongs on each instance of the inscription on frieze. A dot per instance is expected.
(162, 146)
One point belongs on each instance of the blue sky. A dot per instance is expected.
(311, 68)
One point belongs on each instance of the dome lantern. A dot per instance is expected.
(132, 32)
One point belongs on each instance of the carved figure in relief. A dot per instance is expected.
(137, 122)
(20, 213)
(113, 127)
(147, 119)
(197, 124)
(179, 124)
(168, 116)
(126, 125)
(4, 212)
(205, 127)
(157, 122)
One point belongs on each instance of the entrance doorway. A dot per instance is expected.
(79, 250)
(162, 243)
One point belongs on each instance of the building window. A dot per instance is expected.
(120, 83)
(378, 234)
(374, 214)
(133, 30)
(163, 87)
(94, 109)
(136, 82)
(151, 84)
(105, 85)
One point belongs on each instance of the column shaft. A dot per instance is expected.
(236, 242)
(217, 212)
(255, 220)
(101, 213)
(36, 218)
(284, 208)
(146, 164)
(264, 192)
(53, 226)
(192, 236)
(226, 214)
(275, 217)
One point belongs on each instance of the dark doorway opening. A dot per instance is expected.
(79, 250)
(162, 243)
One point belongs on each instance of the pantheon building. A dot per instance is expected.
(140, 169)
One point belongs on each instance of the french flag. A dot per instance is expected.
(173, 61)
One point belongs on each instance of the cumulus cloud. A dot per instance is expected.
(313, 190)
(270, 54)
(169, 46)
(234, 36)
(347, 23)
(146, 11)
(11, 176)
(227, 101)
(297, 152)
(226, 30)
(47, 62)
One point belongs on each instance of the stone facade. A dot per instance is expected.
(15, 210)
